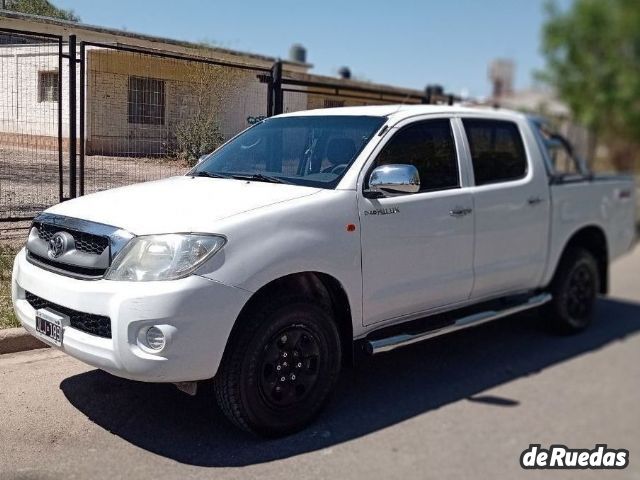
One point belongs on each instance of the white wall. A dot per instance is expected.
(21, 112)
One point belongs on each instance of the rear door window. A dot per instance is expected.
(497, 151)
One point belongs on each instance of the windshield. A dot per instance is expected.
(306, 150)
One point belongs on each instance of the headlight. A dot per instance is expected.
(163, 257)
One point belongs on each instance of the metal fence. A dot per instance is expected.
(308, 95)
(308, 92)
(31, 127)
(79, 117)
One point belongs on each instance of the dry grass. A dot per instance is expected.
(7, 317)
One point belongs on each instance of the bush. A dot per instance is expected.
(197, 136)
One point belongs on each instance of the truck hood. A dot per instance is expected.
(177, 204)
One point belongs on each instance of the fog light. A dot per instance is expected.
(155, 338)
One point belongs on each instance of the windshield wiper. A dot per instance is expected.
(258, 177)
(204, 173)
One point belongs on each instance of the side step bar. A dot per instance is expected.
(381, 345)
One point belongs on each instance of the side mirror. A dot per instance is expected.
(390, 179)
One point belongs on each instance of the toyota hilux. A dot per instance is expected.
(313, 237)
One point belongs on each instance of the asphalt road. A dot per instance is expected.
(463, 406)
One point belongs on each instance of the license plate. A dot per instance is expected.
(50, 325)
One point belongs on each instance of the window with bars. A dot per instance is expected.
(146, 101)
(333, 103)
(48, 86)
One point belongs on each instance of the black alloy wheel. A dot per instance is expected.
(575, 289)
(290, 366)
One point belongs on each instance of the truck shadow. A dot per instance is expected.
(378, 393)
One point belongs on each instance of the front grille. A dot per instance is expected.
(84, 242)
(79, 272)
(90, 323)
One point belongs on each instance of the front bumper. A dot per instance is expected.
(197, 313)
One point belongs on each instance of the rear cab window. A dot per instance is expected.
(562, 162)
(497, 150)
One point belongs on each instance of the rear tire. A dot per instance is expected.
(280, 366)
(574, 289)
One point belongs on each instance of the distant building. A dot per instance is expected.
(501, 73)
(537, 100)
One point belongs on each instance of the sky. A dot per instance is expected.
(397, 42)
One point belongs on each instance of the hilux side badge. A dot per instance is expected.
(382, 211)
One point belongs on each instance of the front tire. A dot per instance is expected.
(574, 289)
(281, 364)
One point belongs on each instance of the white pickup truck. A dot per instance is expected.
(314, 236)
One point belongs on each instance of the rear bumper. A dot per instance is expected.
(196, 314)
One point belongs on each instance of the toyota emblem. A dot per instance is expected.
(57, 245)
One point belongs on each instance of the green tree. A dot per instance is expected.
(592, 52)
(39, 7)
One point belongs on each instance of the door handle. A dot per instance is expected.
(533, 201)
(460, 212)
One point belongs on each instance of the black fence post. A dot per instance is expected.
(427, 96)
(60, 132)
(270, 96)
(82, 113)
(276, 84)
(72, 116)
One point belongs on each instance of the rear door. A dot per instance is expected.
(417, 249)
(511, 201)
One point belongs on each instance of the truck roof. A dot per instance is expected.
(399, 112)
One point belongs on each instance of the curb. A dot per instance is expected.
(18, 340)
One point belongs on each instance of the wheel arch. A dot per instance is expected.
(317, 286)
(593, 239)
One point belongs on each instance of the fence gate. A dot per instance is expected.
(31, 123)
(78, 117)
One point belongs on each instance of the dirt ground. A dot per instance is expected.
(29, 179)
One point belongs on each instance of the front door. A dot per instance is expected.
(417, 249)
